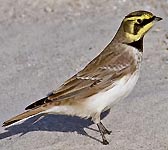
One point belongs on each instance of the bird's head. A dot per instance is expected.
(136, 24)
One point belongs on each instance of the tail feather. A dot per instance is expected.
(22, 116)
(38, 103)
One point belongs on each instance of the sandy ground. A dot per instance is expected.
(43, 42)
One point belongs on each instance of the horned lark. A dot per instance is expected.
(107, 78)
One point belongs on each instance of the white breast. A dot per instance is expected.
(105, 100)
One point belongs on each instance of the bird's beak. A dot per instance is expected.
(157, 18)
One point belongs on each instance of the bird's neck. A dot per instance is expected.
(121, 37)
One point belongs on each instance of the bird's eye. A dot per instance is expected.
(139, 21)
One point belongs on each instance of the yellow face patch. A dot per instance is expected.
(136, 26)
(141, 33)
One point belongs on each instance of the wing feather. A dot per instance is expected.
(100, 73)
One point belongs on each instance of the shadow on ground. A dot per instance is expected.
(61, 123)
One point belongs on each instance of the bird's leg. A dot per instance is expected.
(101, 129)
(105, 130)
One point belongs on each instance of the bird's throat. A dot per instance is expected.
(137, 44)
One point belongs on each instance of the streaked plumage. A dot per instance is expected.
(106, 79)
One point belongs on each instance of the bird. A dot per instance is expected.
(108, 78)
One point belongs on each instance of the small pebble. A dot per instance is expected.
(48, 9)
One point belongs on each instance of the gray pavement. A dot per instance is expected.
(43, 43)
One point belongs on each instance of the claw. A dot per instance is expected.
(103, 131)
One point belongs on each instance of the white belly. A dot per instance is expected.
(101, 101)
(104, 100)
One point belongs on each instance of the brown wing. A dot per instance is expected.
(97, 75)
